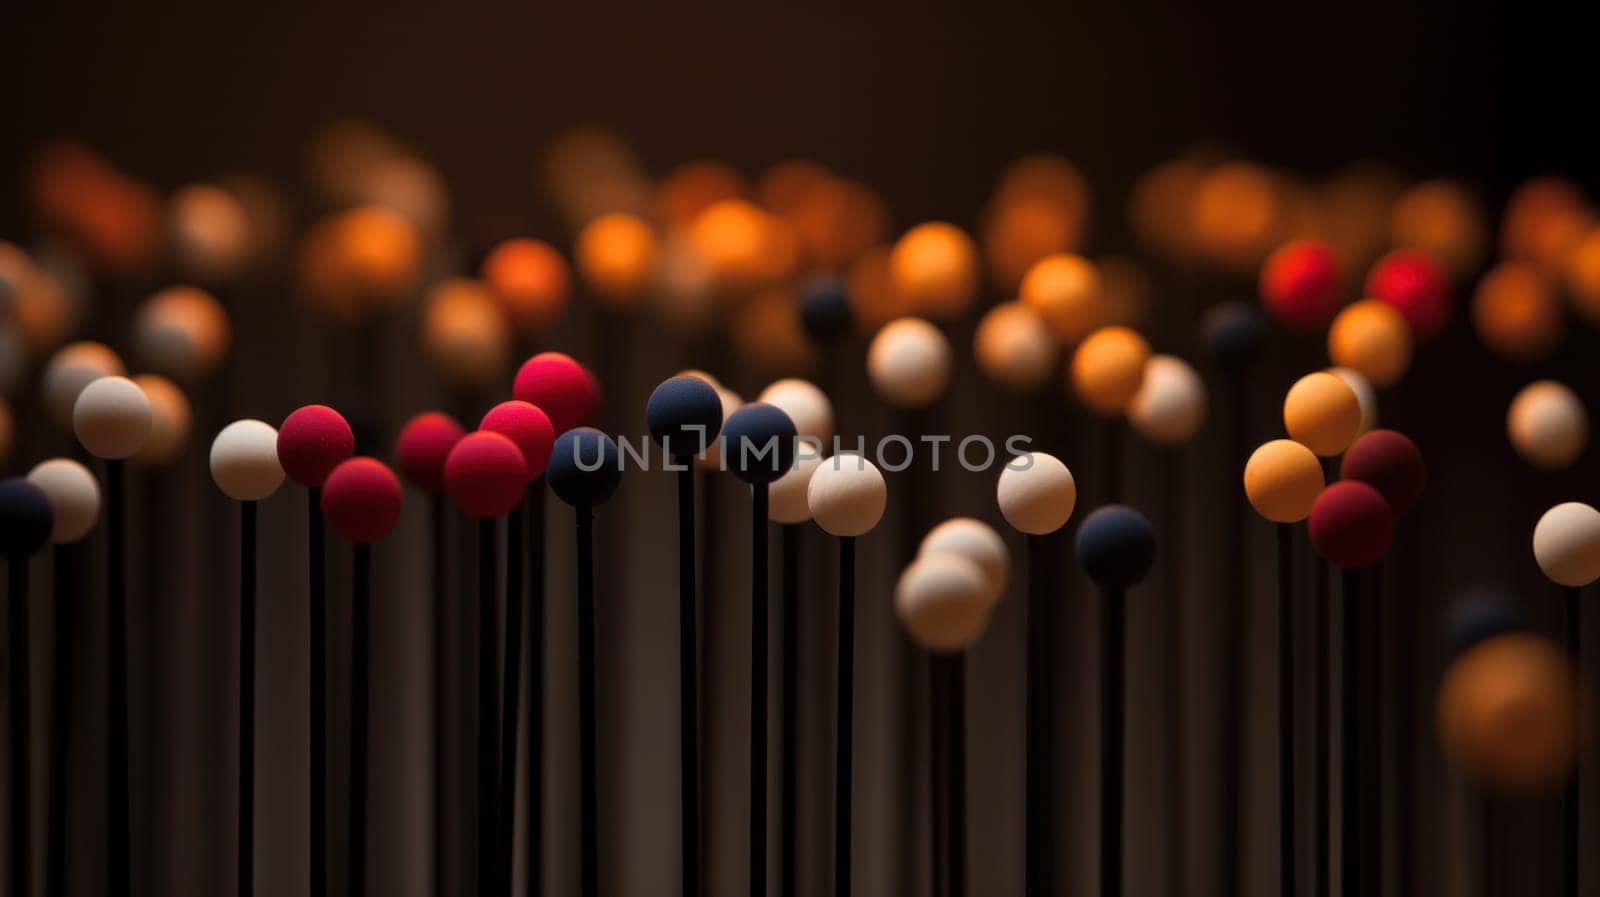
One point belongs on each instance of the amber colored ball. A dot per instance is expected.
(531, 279)
(1548, 425)
(1517, 313)
(464, 333)
(1509, 714)
(1544, 221)
(1017, 233)
(1014, 347)
(1282, 480)
(1322, 413)
(1583, 276)
(1372, 339)
(935, 267)
(1444, 220)
(360, 259)
(1064, 289)
(616, 257)
(1108, 369)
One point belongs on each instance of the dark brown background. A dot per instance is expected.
(926, 103)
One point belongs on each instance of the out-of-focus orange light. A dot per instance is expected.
(935, 266)
(1162, 206)
(532, 281)
(1583, 276)
(113, 218)
(874, 300)
(1517, 314)
(616, 257)
(1064, 289)
(357, 260)
(1019, 232)
(1238, 215)
(464, 333)
(1545, 220)
(693, 187)
(1444, 220)
(744, 247)
(1508, 714)
(767, 334)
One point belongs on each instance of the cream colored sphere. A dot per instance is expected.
(74, 496)
(1170, 406)
(1566, 543)
(1015, 348)
(977, 542)
(1036, 493)
(731, 402)
(1548, 425)
(72, 368)
(244, 460)
(112, 418)
(909, 363)
(847, 495)
(1366, 396)
(787, 501)
(942, 601)
(805, 404)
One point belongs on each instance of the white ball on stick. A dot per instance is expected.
(112, 418)
(977, 542)
(847, 495)
(942, 600)
(1566, 543)
(74, 496)
(1036, 493)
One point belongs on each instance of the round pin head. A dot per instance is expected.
(244, 460)
(1389, 462)
(560, 386)
(361, 500)
(312, 441)
(529, 428)
(1036, 493)
(1116, 546)
(424, 444)
(485, 474)
(112, 418)
(586, 467)
(74, 497)
(1351, 524)
(847, 495)
(758, 443)
(684, 414)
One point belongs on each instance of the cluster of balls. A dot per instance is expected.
(1381, 474)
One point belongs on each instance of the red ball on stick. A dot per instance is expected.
(361, 500)
(485, 474)
(1300, 284)
(424, 443)
(559, 386)
(1389, 462)
(1417, 287)
(312, 441)
(1351, 524)
(528, 427)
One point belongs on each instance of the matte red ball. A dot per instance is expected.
(361, 500)
(485, 475)
(312, 441)
(1417, 288)
(1389, 462)
(560, 386)
(1351, 524)
(1300, 284)
(424, 443)
(529, 428)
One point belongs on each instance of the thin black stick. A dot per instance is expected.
(1370, 617)
(360, 690)
(1035, 617)
(1286, 820)
(1175, 880)
(21, 772)
(688, 687)
(117, 821)
(758, 690)
(938, 777)
(1234, 630)
(1572, 634)
(511, 699)
(1322, 736)
(844, 758)
(535, 709)
(438, 571)
(247, 697)
(1113, 625)
(588, 744)
(68, 585)
(318, 611)
(1349, 750)
(788, 726)
(488, 678)
(956, 730)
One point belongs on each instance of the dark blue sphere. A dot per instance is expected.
(1233, 334)
(585, 467)
(758, 443)
(1479, 615)
(825, 310)
(26, 518)
(684, 414)
(1116, 546)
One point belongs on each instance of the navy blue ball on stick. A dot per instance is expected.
(25, 518)
(1233, 334)
(585, 467)
(1480, 615)
(825, 310)
(684, 414)
(758, 443)
(1116, 546)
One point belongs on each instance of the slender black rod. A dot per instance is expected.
(688, 687)
(535, 704)
(511, 703)
(1371, 742)
(956, 731)
(758, 691)
(488, 678)
(118, 866)
(1235, 628)
(1175, 881)
(1572, 634)
(1036, 808)
(1286, 827)
(1113, 625)
(360, 722)
(21, 773)
(844, 757)
(1322, 610)
(67, 588)
(438, 550)
(247, 698)
(318, 611)
(588, 744)
(789, 696)
(938, 778)
(1350, 730)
